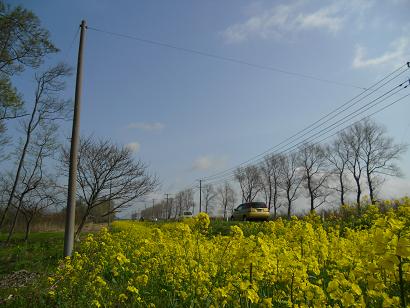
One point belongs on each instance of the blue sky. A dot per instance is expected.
(189, 116)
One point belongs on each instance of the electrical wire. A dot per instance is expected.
(339, 123)
(223, 58)
(70, 46)
(317, 124)
(303, 132)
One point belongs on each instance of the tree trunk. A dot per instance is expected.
(81, 225)
(275, 200)
(28, 223)
(20, 164)
(312, 198)
(359, 192)
(342, 189)
(371, 190)
(289, 207)
(13, 224)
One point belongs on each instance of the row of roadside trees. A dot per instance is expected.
(356, 162)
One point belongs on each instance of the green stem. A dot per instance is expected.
(401, 283)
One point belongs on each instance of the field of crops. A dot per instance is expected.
(301, 262)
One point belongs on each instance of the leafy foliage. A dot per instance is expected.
(23, 43)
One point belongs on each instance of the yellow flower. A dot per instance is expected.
(132, 289)
(121, 258)
(122, 297)
(324, 264)
(252, 295)
(347, 299)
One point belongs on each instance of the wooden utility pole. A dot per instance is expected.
(200, 196)
(72, 176)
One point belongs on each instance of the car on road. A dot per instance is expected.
(251, 211)
(185, 214)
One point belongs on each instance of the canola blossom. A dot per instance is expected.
(296, 263)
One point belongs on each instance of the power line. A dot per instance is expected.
(340, 122)
(351, 115)
(70, 46)
(350, 103)
(368, 116)
(228, 176)
(224, 58)
(231, 177)
(312, 126)
(343, 120)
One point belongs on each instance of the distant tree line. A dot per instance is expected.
(356, 162)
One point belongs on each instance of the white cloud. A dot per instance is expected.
(155, 126)
(208, 163)
(285, 19)
(295, 16)
(134, 147)
(325, 18)
(398, 50)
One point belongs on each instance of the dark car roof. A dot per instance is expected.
(255, 204)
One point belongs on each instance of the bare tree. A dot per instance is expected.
(292, 180)
(32, 176)
(338, 157)
(45, 195)
(352, 139)
(208, 197)
(379, 154)
(270, 178)
(179, 201)
(156, 211)
(183, 201)
(313, 161)
(226, 197)
(47, 107)
(169, 207)
(188, 202)
(249, 180)
(108, 172)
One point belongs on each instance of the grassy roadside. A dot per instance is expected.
(25, 266)
(39, 254)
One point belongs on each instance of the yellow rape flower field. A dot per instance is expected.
(296, 263)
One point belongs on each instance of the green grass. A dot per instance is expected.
(221, 227)
(40, 254)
